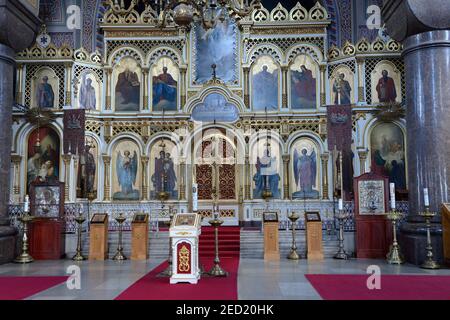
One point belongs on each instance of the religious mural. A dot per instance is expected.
(303, 80)
(386, 83)
(88, 92)
(164, 85)
(128, 85)
(89, 167)
(388, 153)
(126, 171)
(163, 168)
(265, 84)
(215, 108)
(267, 167)
(305, 170)
(216, 46)
(45, 89)
(342, 86)
(43, 161)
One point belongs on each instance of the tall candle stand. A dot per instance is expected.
(25, 257)
(429, 263)
(341, 254)
(217, 270)
(293, 255)
(119, 256)
(394, 255)
(79, 220)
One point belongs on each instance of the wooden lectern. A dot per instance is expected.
(314, 249)
(139, 237)
(271, 242)
(446, 232)
(98, 248)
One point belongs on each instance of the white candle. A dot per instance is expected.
(341, 204)
(392, 189)
(26, 206)
(426, 198)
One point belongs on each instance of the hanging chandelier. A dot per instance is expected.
(185, 12)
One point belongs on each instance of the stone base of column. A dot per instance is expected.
(8, 239)
(413, 240)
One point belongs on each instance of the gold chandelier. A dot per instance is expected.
(185, 12)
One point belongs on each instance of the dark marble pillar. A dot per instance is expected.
(18, 30)
(424, 29)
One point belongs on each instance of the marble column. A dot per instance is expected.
(424, 29)
(16, 160)
(182, 87)
(145, 72)
(18, 30)
(360, 64)
(108, 76)
(284, 96)
(67, 159)
(246, 86)
(247, 193)
(106, 184)
(324, 157)
(19, 92)
(286, 158)
(144, 161)
(323, 81)
(68, 100)
(362, 154)
(181, 178)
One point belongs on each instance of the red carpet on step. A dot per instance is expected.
(18, 288)
(229, 242)
(151, 287)
(393, 287)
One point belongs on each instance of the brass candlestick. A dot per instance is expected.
(119, 256)
(429, 263)
(341, 254)
(394, 255)
(168, 271)
(217, 270)
(79, 256)
(293, 255)
(25, 257)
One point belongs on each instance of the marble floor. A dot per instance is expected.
(257, 279)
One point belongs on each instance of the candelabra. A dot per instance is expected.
(217, 270)
(25, 257)
(293, 255)
(79, 220)
(429, 263)
(119, 256)
(394, 255)
(341, 254)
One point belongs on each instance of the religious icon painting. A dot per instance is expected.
(266, 162)
(127, 85)
(88, 93)
(303, 83)
(216, 46)
(265, 84)
(44, 89)
(126, 171)
(43, 159)
(305, 170)
(88, 170)
(165, 76)
(386, 83)
(387, 145)
(342, 86)
(163, 169)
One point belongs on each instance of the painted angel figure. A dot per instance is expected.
(126, 171)
(305, 168)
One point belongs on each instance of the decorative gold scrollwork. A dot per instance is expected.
(184, 264)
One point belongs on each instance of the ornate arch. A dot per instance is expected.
(310, 50)
(163, 51)
(126, 51)
(264, 50)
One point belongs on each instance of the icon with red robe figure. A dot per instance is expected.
(386, 88)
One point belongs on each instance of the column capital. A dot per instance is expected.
(286, 157)
(360, 60)
(145, 159)
(325, 156)
(406, 18)
(106, 158)
(16, 158)
(322, 67)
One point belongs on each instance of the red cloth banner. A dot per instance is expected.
(74, 124)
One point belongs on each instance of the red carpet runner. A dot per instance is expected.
(393, 287)
(151, 287)
(18, 288)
